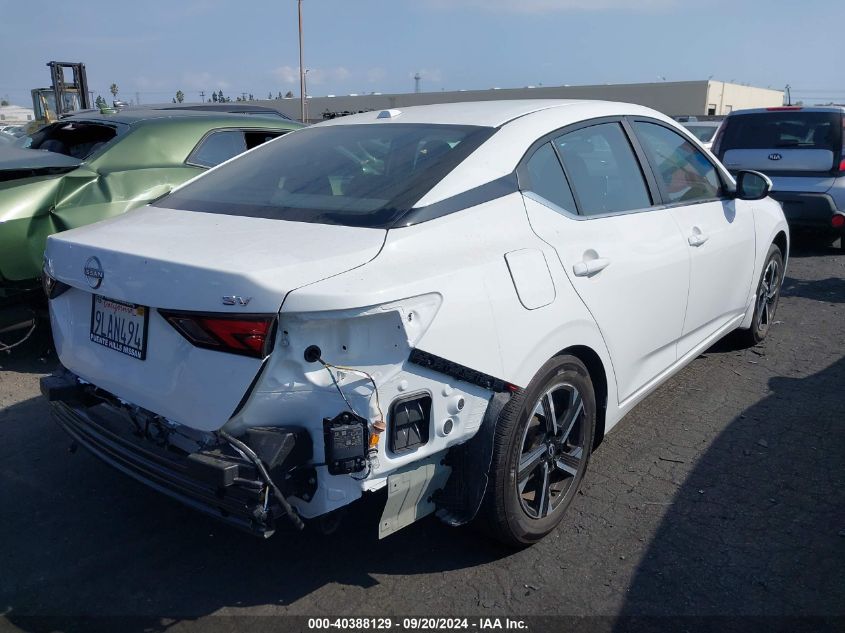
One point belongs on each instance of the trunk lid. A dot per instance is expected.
(187, 261)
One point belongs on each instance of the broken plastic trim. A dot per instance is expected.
(460, 372)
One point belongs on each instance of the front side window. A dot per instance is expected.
(365, 175)
(546, 178)
(603, 170)
(78, 139)
(683, 172)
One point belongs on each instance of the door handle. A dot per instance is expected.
(697, 238)
(590, 267)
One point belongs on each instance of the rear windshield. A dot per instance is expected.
(356, 175)
(703, 133)
(787, 129)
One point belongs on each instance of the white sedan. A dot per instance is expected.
(453, 302)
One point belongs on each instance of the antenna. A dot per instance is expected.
(417, 78)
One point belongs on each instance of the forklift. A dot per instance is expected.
(64, 97)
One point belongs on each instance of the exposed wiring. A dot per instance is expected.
(337, 386)
(9, 347)
(237, 444)
(356, 371)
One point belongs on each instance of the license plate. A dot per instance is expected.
(120, 326)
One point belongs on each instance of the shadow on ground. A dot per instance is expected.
(81, 543)
(750, 530)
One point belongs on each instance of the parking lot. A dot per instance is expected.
(720, 495)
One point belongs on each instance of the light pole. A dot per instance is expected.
(305, 92)
(301, 66)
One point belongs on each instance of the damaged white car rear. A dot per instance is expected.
(455, 302)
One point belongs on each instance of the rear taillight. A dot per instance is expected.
(245, 334)
(784, 108)
(838, 220)
(842, 165)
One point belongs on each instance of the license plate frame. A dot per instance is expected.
(127, 330)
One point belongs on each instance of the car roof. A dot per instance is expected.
(481, 113)
(130, 116)
(839, 109)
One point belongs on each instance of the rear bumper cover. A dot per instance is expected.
(214, 480)
(806, 209)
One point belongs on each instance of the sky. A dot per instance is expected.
(152, 48)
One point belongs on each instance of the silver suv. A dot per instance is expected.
(801, 150)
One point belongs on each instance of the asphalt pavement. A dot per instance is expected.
(719, 498)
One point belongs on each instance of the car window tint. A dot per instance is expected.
(547, 180)
(254, 138)
(603, 170)
(218, 147)
(78, 139)
(366, 175)
(783, 130)
(683, 172)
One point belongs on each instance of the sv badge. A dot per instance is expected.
(235, 300)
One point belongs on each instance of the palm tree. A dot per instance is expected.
(113, 89)
(180, 96)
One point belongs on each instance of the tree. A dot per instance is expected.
(100, 102)
(113, 89)
(220, 97)
(213, 97)
(288, 95)
(269, 95)
(4, 102)
(251, 98)
(180, 96)
(279, 96)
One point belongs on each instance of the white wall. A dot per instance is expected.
(726, 97)
(15, 115)
(669, 97)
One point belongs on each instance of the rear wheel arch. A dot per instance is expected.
(598, 375)
(782, 242)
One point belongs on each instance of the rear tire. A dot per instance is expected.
(766, 299)
(543, 441)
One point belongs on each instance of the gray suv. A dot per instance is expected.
(801, 150)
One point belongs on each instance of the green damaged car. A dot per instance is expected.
(92, 165)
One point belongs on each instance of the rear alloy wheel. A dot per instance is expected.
(768, 294)
(543, 442)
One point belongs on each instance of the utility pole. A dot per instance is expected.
(137, 98)
(202, 96)
(417, 78)
(243, 96)
(788, 95)
(301, 66)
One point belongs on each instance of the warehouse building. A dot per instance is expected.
(674, 98)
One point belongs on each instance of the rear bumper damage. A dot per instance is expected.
(214, 478)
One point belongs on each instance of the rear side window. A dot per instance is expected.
(547, 179)
(357, 175)
(781, 130)
(222, 145)
(603, 170)
(683, 172)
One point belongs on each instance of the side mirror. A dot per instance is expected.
(752, 185)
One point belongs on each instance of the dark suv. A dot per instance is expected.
(801, 150)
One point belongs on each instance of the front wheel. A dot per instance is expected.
(543, 442)
(768, 293)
